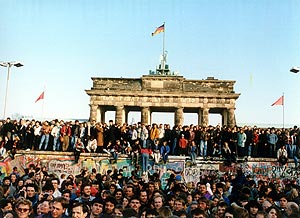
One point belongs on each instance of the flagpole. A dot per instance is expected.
(163, 54)
(283, 110)
(43, 104)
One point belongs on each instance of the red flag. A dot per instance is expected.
(159, 30)
(278, 102)
(40, 97)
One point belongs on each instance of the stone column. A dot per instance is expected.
(93, 112)
(200, 116)
(120, 115)
(205, 116)
(102, 114)
(179, 118)
(224, 117)
(145, 115)
(231, 117)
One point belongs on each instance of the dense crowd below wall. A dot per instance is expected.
(37, 193)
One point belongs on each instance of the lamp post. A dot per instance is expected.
(8, 65)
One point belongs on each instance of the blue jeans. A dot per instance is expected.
(73, 141)
(145, 160)
(193, 157)
(203, 148)
(174, 146)
(114, 155)
(56, 143)
(45, 138)
(291, 150)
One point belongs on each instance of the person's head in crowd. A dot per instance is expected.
(203, 203)
(242, 212)
(151, 213)
(164, 212)
(118, 212)
(266, 204)
(37, 210)
(66, 194)
(135, 203)
(220, 188)
(104, 194)
(23, 208)
(110, 203)
(189, 198)
(222, 206)
(85, 189)
(10, 214)
(261, 214)
(143, 212)
(48, 188)
(112, 188)
(171, 200)
(230, 213)
(80, 210)
(196, 195)
(180, 214)
(292, 208)
(271, 197)
(13, 178)
(261, 198)
(129, 192)
(273, 212)
(6, 180)
(55, 182)
(118, 195)
(143, 197)
(283, 200)
(125, 202)
(45, 207)
(96, 207)
(202, 188)
(253, 207)
(129, 213)
(243, 200)
(193, 205)
(158, 202)
(59, 206)
(151, 187)
(6, 205)
(31, 190)
(198, 213)
(214, 201)
(179, 204)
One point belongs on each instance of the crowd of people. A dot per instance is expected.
(144, 141)
(37, 193)
(40, 194)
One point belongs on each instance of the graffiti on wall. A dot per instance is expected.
(62, 164)
(194, 174)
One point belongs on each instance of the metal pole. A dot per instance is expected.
(6, 92)
(163, 54)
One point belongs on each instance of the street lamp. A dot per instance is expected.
(295, 70)
(8, 65)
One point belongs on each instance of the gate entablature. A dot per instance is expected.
(163, 93)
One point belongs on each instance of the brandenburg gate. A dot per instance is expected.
(163, 93)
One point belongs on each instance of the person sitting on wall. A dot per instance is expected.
(79, 147)
(282, 155)
(92, 145)
(164, 151)
(115, 150)
(228, 155)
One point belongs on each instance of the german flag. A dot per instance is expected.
(159, 29)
